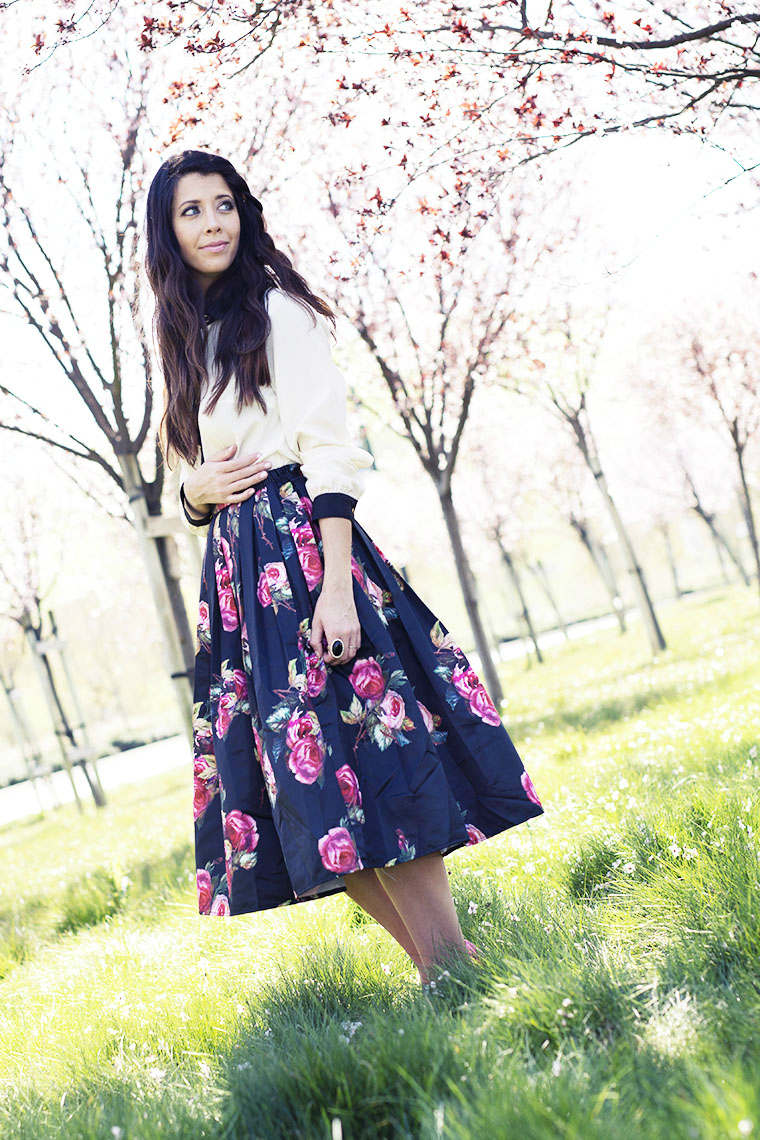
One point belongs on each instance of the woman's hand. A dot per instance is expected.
(335, 616)
(224, 478)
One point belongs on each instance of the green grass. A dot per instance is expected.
(619, 994)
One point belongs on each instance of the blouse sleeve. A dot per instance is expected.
(195, 526)
(311, 400)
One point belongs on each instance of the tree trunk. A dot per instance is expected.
(649, 617)
(665, 532)
(524, 611)
(539, 573)
(167, 597)
(466, 581)
(598, 557)
(747, 507)
(721, 543)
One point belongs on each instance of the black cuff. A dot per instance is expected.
(193, 521)
(332, 504)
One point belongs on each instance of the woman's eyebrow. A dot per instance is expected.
(196, 201)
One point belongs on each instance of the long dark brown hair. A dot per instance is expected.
(236, 299)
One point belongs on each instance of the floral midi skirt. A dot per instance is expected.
(306, 772)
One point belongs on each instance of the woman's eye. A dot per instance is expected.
(186, 212)
(227, 205)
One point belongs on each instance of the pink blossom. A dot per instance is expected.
(241, 831)
(203, 883)
(338, 852)
(475, 834)
(530, 791)
(204, 617)
(392, 711)
(349, 785)
(305, 759)
(367, 678)
(427, 716)
(305, 505)
(356, 569)
(220, 905)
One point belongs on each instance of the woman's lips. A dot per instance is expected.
(216, 246)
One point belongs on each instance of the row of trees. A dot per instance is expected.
(438, 287)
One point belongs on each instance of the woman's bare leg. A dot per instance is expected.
(419, 890)
(366, 889)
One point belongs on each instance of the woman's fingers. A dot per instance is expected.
(317, 632)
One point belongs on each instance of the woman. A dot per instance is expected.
(342, 740)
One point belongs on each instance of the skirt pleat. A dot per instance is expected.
(305, 772)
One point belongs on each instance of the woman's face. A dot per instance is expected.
(206, 224)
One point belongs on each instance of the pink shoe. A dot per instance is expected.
(472, 950)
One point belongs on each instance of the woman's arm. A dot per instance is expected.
(335, 612)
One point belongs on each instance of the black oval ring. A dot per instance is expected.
(337, 652)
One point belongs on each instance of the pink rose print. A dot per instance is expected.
(203, 883)
(367, 678)
(241, 831)
(300, 725)
(308, 555)
(227, 603)
(356, 569)
(475, 834)
(276, 574)
(465, 681)
(204, 619)
(392, 710)
(203, 736)
(262, 590)
(220, 905)
(225, 710)
(468, 685)
(481, 703)
(316, 675)
(375, 594)
(202, 796)
(530, 791)
(240, 683)
(338, 852)
(427, 716)
(305, 759)
(305, 505)
(269, 777)
(349, 785)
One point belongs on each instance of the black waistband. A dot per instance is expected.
(287, 471)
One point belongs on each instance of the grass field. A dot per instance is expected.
(619, 996)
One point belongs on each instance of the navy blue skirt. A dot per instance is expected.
(306, 772)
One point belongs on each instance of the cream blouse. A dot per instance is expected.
(306, 415)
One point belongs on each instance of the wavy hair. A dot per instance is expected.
(236, 299)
